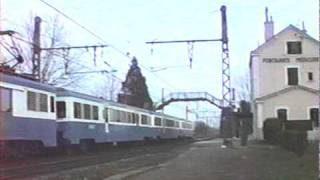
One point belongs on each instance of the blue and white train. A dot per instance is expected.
(33, 115)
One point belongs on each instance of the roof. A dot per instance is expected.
(273, 38)
(61, 92)
(290, 27)
(285, 90)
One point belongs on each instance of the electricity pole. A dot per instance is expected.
(36, 56)
(226, 85)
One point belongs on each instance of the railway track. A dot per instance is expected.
(94, 158)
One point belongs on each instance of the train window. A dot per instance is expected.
(43, 102)
(145, 120)
(169, 123)
(31, 101)
(5, 99)
(123, 116)
(157, 121)
(52, 104)
(95, 112)
(77, 110)
(105, 115)
(114, 115)
(61, 109)
(87, 111)
(136, 118)
(186, 125)
(177, 124)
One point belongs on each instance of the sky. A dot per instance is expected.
(126, 26)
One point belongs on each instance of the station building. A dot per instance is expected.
(284, 75)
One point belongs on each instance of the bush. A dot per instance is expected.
(271, 130)
(295, 141)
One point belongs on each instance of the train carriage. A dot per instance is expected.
(34, 115)
(80, 119)
(27, 113)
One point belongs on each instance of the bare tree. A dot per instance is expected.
(108, 88)
(242, 88)
(57, 66)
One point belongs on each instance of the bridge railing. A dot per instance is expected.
(189, 96)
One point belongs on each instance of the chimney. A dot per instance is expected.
(268, 26)
(303, 28)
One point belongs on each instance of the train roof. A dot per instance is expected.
(61, 92)
(20, 80)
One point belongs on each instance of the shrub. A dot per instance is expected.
(271, 130)
(295, 141)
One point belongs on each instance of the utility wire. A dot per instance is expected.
(101, 39)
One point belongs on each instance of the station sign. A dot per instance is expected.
(287, 60)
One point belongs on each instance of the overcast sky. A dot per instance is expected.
(127, 25)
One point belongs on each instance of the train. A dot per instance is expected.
(35, 115)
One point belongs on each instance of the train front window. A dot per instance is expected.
(5, 100)
(61, 109)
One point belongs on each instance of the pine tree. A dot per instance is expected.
(134, 90)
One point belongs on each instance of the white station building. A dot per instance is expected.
(284, 75)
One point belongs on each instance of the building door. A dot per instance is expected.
(314, 116)
(282, 114)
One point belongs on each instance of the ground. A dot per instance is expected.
(204, 160)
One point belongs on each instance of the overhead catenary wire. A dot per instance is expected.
(101, 39)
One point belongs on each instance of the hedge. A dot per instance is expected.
(292, 140)
(295, 141)
(271, 130)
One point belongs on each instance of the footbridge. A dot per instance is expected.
(189, 96)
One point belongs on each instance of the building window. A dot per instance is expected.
(292, 76)
(61, 109)
(43, 102)
(95, 112)
(314, 116)
(310, 76)
(77, 110)
(51, 104)
(87, 111)
(282, 114)
(294, 47)
(5, 100)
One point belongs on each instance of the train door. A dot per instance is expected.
(106, 119)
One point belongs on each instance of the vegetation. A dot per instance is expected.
(271, 130)
(295, 141)
(292, 140)
(134, 90)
